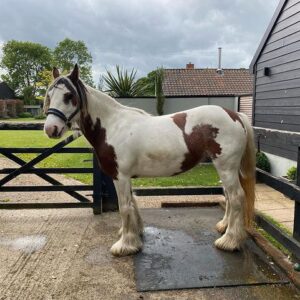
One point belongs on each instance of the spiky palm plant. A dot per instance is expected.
(123, 84)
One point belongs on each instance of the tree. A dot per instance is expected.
(123, 84)
(153, 86)
(149, 83)
(160, 98)
(68, 52)
(45, 79)
(23, 61)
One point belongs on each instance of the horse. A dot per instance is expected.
(131, 143)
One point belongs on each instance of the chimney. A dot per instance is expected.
(219, 70)
(189, 66)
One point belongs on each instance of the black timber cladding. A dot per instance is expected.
(277, 96)
(284, 144)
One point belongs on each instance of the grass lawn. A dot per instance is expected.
(21, 120)
(204, 175)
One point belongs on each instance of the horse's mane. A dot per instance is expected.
(138, 110)
(80, 88)
(113, 101)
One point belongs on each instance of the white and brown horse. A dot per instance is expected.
(131, 143)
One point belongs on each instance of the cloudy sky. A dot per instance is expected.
(144, 34)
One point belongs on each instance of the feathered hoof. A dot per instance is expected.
(140, 230)
(221, 226)
(120, 248)
(227, 243)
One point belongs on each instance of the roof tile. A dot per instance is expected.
(207, 82)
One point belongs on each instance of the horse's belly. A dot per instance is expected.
(159, 163)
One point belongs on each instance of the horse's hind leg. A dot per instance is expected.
(235, 232)
(222, 225)
(130, 241)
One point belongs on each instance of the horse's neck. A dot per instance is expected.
(101, 106)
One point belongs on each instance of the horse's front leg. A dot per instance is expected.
(130, 241)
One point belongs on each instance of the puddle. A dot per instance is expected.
(28, 244)
(151, 230)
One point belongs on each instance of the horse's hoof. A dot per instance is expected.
(122, 249)
(226, 243)
(141, 231)
(221, 226)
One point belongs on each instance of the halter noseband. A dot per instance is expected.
(61, 115)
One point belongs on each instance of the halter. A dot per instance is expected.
(61, 115)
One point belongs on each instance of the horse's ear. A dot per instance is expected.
(55, 72)
(74, 76)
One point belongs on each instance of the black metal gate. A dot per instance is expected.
(103, 192)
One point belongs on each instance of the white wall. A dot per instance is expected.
(173, 104)
(279, 165)
(147, 104)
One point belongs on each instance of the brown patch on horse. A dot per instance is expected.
(105, 153)
(180, 120)
(69, 97)
(200, 142)
(234, 116)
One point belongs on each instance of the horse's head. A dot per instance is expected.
(63, 101)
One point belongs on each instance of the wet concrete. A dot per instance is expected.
(27, 244)
(75, 262)
(179, 253)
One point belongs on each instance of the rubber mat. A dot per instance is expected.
(179, 253)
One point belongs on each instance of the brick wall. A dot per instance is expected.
(10, 108)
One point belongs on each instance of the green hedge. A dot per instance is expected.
(262, 162)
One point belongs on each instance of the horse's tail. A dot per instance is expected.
(247, 173)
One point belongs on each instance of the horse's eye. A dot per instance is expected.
(67, 97)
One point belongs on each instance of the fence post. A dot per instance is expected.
(104, 193)
(97, 187)
(296, 233)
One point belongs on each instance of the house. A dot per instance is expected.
(10, 106)
(6, 92)
(191, 87)
(276, 69)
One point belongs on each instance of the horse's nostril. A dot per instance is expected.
(55, 131)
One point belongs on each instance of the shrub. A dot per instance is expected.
(262, 162)
(25, 115)
(292, 173)
(40, 117)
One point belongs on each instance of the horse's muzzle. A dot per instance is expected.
(53, 131)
